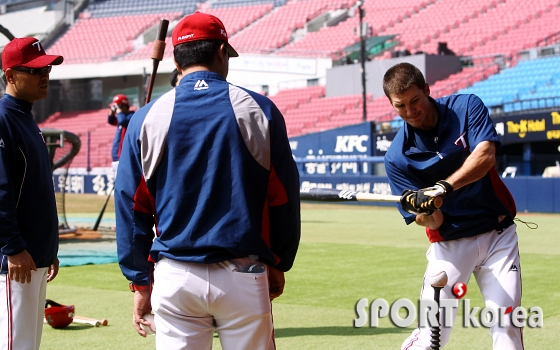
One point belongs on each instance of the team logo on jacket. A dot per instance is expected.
(461, 141)
(200, 85)
(2, 143)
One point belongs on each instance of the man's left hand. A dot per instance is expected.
(441, 189)
(53, 270)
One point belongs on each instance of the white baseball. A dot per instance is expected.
(151, 329)
(438, 278)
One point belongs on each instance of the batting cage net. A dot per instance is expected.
(63, 147)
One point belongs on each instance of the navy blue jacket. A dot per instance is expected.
(28, 217)
(417, 159)
(208, 163)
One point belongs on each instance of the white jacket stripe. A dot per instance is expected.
(153, 134)
(253, 124)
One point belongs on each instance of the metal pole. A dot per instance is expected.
(363, 35)
(88, 152)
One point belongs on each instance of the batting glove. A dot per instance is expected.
(424, 199)
(440, 189)
(415, 202)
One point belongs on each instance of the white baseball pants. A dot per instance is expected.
(22, 310)
(191, 300)
(494, 259)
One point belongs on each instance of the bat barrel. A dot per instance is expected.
(334, 195)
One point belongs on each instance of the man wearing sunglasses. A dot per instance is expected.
(28, 217)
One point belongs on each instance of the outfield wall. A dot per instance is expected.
(531, 193)
(351, 157)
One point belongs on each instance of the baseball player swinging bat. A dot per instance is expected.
(334, 195)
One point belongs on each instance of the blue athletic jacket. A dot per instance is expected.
(417, 159)
(28, 217)
(212, 161)
(121, 120)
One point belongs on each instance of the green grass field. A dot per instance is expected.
(346, 253)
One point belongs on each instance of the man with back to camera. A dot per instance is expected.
(28, 216)
(120, 117)
(447, 148)
(213, 162)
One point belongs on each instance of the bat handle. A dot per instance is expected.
(436, 329)
(157, 55)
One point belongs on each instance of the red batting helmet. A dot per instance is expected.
(120, 99)
(58, 315)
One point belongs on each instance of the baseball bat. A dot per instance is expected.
(334, 195)
(98, 221)
(437, 281)
(91, 321)
(157, 55)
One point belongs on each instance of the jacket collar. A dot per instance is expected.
(23, 105)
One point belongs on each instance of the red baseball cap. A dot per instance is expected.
(201, 26)
(27, 52)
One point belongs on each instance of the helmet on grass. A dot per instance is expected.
(58, 315)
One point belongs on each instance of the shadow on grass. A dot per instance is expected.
(75, 327)
(339, 331)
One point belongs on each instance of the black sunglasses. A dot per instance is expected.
(34, 71)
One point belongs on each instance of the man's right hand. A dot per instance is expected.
(20, 266)
(142, 306)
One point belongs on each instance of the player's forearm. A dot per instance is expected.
(476, 166)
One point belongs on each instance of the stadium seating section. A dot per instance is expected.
(115, 8)
(104, 38)
(234, 19)
(480, 29)
(532, 84)
(39, 21)
(92, 124)
(275, 30)
(308, 110)
(474, 28)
